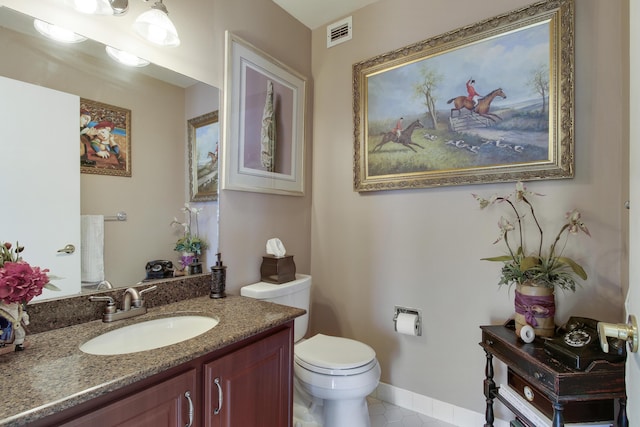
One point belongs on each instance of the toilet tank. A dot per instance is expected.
(296, 293)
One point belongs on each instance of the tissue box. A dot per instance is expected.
(277, 270)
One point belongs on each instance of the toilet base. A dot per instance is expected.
(343, 413)
(309, 411)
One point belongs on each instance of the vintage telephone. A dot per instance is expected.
(159, 269)
(578, 345)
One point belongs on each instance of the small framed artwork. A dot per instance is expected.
(204, 137)
(105, 139)
(263, 127)
(490, 102)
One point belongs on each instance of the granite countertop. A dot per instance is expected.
(52, 374)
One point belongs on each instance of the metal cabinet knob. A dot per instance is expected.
(624, 331)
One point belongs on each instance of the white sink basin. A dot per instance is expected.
(148, 335)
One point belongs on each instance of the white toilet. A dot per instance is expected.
(332, 375)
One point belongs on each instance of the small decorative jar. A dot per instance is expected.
(186, 258)
(12, 321)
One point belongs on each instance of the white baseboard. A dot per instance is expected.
(430, 407)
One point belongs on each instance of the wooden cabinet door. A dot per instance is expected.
(251, 387)
(162, 405)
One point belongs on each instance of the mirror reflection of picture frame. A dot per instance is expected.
(204, 137)
(438, 93)
(263, 126)
(105, 139)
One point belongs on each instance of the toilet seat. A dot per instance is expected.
(330, 355)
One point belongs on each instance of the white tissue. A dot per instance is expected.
(275, 248)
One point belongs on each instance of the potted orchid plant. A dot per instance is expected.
(536, 273)
(190, 244)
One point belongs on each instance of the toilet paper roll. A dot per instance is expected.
(527, 334)
(407, 324)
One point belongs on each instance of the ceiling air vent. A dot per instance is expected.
(339, 32)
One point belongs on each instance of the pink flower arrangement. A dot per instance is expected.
(19, 281)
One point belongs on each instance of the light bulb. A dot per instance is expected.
(155, 26)
(57, 33)
(126, 58)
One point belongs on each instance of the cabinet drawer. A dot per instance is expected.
(574, 411)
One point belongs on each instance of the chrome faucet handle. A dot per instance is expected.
(111, 304)
(150, 288)
(133, 297)
(102, 298)
(140, 301)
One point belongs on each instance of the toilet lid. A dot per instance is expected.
(334, 353)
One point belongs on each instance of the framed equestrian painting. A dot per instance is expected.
(105, 139)
(490, 102)
(263, 126)
(204, 138)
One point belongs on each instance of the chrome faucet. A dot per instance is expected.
(132, 304)
(131, 297)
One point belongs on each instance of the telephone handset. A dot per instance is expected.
(578, 344)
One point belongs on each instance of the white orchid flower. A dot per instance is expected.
(575, 224)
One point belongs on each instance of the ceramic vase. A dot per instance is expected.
(535, 306)
(186, 259)
(12, 333)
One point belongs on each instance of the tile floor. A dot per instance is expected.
(385, 414)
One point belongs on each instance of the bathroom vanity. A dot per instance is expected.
(236, 372)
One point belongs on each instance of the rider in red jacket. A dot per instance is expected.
(471, 90)
(398, 129)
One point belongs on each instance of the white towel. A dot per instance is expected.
(92, 249)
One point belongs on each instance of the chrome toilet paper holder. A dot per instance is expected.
(406, 310)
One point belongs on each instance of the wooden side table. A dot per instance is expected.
(561, 385)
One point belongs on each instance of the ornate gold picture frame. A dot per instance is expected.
(105, 139)
(490, 102)
(204, 139)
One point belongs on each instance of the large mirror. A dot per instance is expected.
(162, 103)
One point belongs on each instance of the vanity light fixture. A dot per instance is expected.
(56, 33)
(100, 7)
(155, 26)
(125, 58)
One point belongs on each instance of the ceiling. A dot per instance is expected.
(315, 13)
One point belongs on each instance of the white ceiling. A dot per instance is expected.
(315, 13)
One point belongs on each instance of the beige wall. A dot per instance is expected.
(248, 220)
(418, 248)
(422, 248)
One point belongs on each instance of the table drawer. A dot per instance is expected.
(574, 411)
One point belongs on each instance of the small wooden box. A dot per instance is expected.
(277, 270)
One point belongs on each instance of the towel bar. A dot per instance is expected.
(120, 216)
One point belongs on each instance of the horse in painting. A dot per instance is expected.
(405, 137)
(481, 108)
